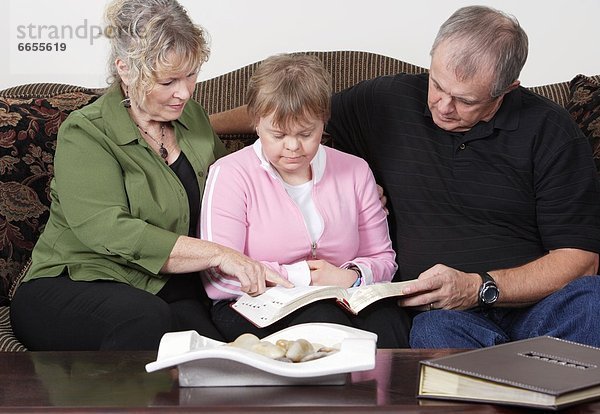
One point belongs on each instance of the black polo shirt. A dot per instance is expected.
(498, 196)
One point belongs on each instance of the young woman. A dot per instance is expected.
(307, 211)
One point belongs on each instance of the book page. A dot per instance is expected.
(278, 301)
(363, 296)
(285, 295)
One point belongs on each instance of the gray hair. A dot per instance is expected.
(489, 40)
(147, 35)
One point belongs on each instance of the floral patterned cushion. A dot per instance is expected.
(28, 127)
(584, 107)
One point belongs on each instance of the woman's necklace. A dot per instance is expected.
(162, 151)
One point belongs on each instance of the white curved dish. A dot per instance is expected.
(203, 362)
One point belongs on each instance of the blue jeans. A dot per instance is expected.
(572, 313)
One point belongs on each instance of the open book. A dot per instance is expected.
(278, 302)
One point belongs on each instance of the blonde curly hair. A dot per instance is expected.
(146, 35)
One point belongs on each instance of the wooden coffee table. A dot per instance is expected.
(118, 382)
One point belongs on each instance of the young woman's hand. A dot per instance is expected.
(323, 273)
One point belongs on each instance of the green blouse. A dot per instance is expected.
(117, 208)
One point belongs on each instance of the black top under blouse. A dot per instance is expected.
(184, 171)
(186, 286)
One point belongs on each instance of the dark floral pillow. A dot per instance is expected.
(28, 129)
(584, 107)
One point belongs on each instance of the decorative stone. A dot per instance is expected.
(284, 350)
(245, 341)
(283, 343)
(314, 355)
(299, 349)
(268, 349)
(327, 349)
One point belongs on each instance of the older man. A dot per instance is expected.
(492, 190)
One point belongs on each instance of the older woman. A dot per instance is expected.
(116, 266)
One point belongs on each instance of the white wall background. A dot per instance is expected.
(564, 35)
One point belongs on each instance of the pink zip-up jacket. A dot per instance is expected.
(247, 208)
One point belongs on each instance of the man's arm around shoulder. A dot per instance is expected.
(233, 121)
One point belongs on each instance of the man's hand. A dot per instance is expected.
(442, 287)
(382, 198)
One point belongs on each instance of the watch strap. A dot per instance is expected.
(486, 277)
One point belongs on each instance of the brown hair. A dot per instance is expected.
(293, 87)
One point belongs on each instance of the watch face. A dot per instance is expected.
(489, 293)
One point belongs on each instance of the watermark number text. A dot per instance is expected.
(42, 47)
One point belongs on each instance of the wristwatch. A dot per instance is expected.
(358, 280)
(488, 292)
